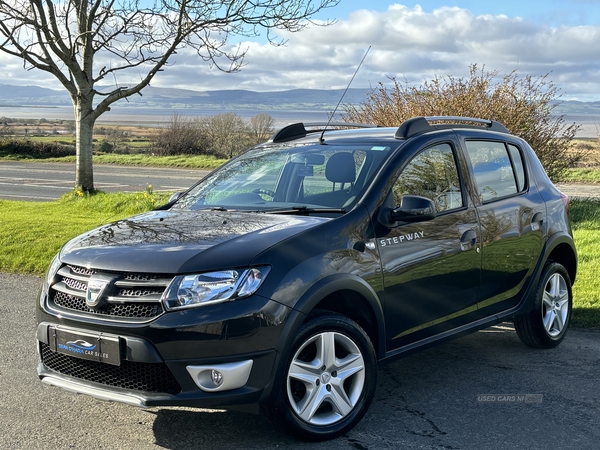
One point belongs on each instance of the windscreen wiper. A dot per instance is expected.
(304, 210)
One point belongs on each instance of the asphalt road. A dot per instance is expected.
(425, 401)
(48, 181)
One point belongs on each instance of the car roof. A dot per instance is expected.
(329, 131)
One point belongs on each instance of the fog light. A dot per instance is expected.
(221, 377)
(216, 377)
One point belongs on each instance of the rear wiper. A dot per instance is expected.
(304, 210)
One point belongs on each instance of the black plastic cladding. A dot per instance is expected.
(298, 130)
(138, 376)
(409, 128)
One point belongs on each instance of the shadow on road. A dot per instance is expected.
(428, 400)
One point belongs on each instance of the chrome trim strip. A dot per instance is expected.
(153, 298)
(160, 282)
(66, 272)
(100, 394)
(62, 287)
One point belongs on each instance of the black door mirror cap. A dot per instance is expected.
(414, 208)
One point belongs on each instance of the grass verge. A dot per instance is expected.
(182, 161)
(585, 218)
(588, 176)
(32, 233)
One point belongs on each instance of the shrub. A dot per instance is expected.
(522, 104)
(227, 134)
(36, 150)
(181, 136)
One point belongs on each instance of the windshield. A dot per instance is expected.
(281, 177)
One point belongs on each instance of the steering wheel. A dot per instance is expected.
(268, 192)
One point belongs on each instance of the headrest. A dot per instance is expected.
(341, 168)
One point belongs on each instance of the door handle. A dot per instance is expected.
(468, 240)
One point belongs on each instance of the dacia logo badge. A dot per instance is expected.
(95, 290)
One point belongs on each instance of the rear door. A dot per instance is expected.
(511, 212)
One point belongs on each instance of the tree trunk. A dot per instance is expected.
(84, 123)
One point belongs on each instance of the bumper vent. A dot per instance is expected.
(135, 376)
(129, 297)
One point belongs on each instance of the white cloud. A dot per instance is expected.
(407, 42)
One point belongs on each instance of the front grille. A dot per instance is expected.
(149, 377)
(133, 296)
(131, 310)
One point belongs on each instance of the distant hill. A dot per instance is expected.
(295, 99)
(153, 97)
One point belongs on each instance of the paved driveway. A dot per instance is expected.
(425, 401)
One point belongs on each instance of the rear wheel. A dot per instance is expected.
(547, 324)
(329, 380)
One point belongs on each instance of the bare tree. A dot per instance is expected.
(66, 38)
(181, 136)
(261, 127)
(227, 134)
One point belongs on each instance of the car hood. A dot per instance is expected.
(183, 241)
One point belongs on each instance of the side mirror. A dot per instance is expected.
(414, 208)
(176, 196)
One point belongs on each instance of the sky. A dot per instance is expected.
(410, 41)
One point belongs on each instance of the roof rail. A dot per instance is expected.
(418, 125)
(298, 130)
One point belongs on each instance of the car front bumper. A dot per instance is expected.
(169, 361)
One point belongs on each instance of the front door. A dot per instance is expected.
(431, 269)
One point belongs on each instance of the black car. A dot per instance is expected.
(285, 276)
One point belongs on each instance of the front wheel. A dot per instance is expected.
(330, 379)
(546, 325)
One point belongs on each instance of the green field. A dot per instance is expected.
(182, 161)
(33, 232)
(589, 176)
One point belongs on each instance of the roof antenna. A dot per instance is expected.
(342, 97)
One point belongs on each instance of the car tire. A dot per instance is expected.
(330, 379)
(547, 324)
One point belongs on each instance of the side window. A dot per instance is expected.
(517, 161)
(494, 174)
(433, 174)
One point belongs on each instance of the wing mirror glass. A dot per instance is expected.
(414, 208)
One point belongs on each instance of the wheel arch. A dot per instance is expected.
(343, 293)
(564, 253)
(353, 297)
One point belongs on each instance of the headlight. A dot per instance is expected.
(187, 291)
(54, 266)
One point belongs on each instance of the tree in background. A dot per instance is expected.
(223, 135)
(523, 105)
(226, 134)
(181, 136)
(136, 40)
(114, 141)
(261, 127)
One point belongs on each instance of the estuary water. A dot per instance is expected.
(151, 117)
(159, 116)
